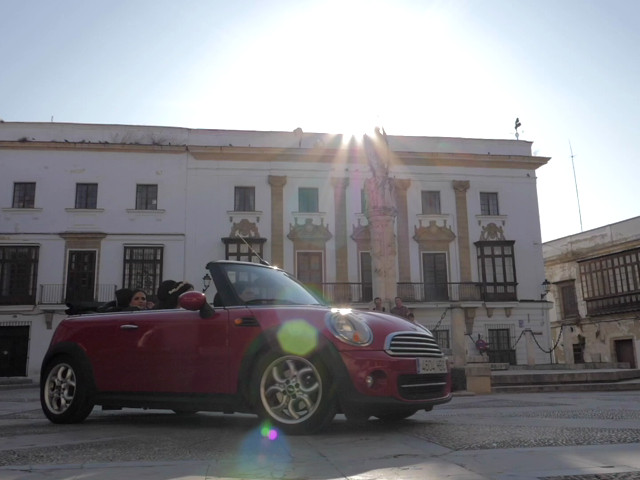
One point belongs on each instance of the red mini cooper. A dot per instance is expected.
(267, 346)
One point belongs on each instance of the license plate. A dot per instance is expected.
(432, 365)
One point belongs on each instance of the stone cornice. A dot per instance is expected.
(87, 146)
(318, 154)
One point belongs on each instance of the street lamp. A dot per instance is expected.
(206, 282)
(546, 286)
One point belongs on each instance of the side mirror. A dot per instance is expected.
(192, 300)
(196, 301)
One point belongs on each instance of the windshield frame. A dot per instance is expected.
(262, 285)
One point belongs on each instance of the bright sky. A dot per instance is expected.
(568, 69)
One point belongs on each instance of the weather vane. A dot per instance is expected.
(518, 124)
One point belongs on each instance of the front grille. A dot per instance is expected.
(422, 387)
(412, 344)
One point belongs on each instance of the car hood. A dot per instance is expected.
(381, 324)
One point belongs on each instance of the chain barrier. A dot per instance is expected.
(552, 348)
(444, 314)
(534, 339)
(557, 342)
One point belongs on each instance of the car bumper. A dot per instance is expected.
(377, 380)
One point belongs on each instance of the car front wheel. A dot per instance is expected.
(294, 393)
(65, 394)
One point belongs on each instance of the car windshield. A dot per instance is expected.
(257, 285)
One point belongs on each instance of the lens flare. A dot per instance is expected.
(297, 337)
(269, 432)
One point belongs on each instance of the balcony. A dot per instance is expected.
(346, 292)
(440, 292)
(626, 302)
(56, 294)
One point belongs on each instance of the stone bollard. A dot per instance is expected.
(478, 378)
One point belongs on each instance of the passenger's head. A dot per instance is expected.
(138, 299)
(123, 297)
(169, 291)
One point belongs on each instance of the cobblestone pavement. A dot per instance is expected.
(550, 436)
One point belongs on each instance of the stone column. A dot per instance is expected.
(531, 348)
(458, 340)
(383, 256)
(567, 342)
(277, 219)
(458, 324)
(340, 208)
(462, 220)
(402, 225)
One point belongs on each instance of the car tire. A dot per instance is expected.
(293, 393)
(396, 415)
(66, 392)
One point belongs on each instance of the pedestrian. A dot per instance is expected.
(377, 305)
(411, 317)
(400, 309)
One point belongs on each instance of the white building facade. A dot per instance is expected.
(87, 209)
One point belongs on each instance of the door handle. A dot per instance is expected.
(128, 327)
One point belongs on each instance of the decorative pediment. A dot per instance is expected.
(244, 228)
(309, 232)
(433, 236)
(492, 232)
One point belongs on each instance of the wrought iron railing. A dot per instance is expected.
(439, 292)
(58, 294)
(347, 292)
(350, 292)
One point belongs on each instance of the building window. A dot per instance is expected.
(430, 202)
(143, 268)
(244, 250)
(86, 195)
(363, 201)
(146, 197)
(309, 270)
(24, 195)
(612, 283)
(500, 349)
(308, 200)
(568, 299)
(18, 275)
(442, 337)
(489, 203)
(81, 276)
(244, 199)
(366, 276)
(497, 270)
(436, 286)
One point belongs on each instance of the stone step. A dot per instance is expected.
(569, 387)
(540, 377)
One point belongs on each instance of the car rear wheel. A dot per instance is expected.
(293, 393)
(65, 394)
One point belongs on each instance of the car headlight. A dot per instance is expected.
(349, 328)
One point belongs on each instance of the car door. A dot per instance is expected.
(168, 351)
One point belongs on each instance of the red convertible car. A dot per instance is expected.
(267, 346)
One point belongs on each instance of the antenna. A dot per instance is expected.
(263, 262)
(576, 183)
